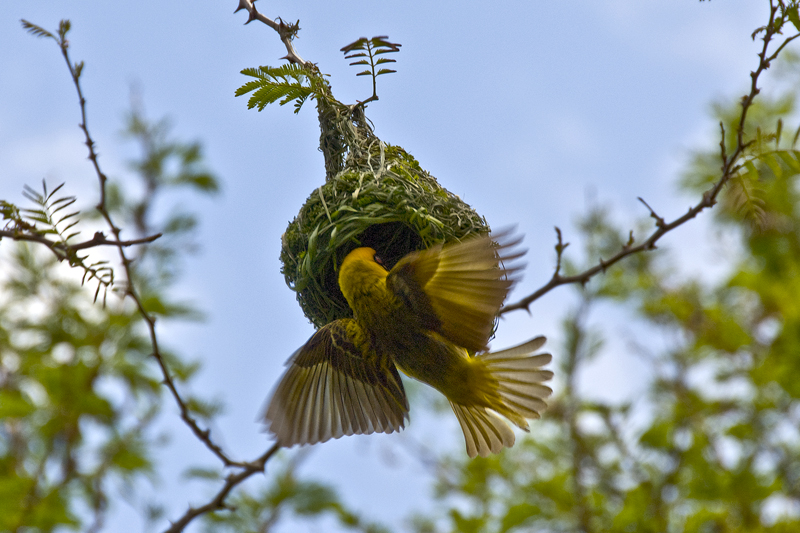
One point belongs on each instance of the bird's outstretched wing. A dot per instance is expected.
(456, 290)
(331, 389)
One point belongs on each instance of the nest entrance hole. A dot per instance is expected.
(391, 241)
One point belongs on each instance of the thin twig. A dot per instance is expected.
(218, 501)
(286, 31)
(62, 251)
(202, 434)
(247, 469)
(708, 200)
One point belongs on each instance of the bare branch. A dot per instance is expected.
(659, 220)
(286, 32)
(218, 501)
(202, 434)
(729, 169)
(560, 247)
(61, 251)
(66, 251)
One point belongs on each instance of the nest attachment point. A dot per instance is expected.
(383, 200)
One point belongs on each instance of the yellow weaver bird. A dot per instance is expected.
(431, 316)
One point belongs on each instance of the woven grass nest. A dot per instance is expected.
(383, 200)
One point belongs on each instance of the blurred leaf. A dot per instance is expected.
(517, 515)
(791, 13)
(203, 408)
(211, 474)
(14, 405)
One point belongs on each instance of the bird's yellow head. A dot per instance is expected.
(361, 270)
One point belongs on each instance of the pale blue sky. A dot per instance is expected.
(522, 108)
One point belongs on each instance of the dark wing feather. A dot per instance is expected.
(331, 389)
(456, 290)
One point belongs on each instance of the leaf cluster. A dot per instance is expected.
(768, 165)
(298, 83)
(787, 14)
(283, 84)
(60, 37)
(55, 216)
(366, 51)
(37, 31)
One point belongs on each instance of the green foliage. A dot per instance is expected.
(791, 12)
(52, 216)
(37, 31)
(297, 83)
(58, 371)
(366, 52)
(48, 212)
(78, 387)
(282, 84)
(713, 443)
(61, 39)
(787, 13)
(770, 157)
(370, 49)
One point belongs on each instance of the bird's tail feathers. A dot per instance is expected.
(517, 394)
(519, 378)
(484, 431)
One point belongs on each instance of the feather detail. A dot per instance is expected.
(513, 380)
(519, 378)
(484, 431)
(456, 290)
(331, 390)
